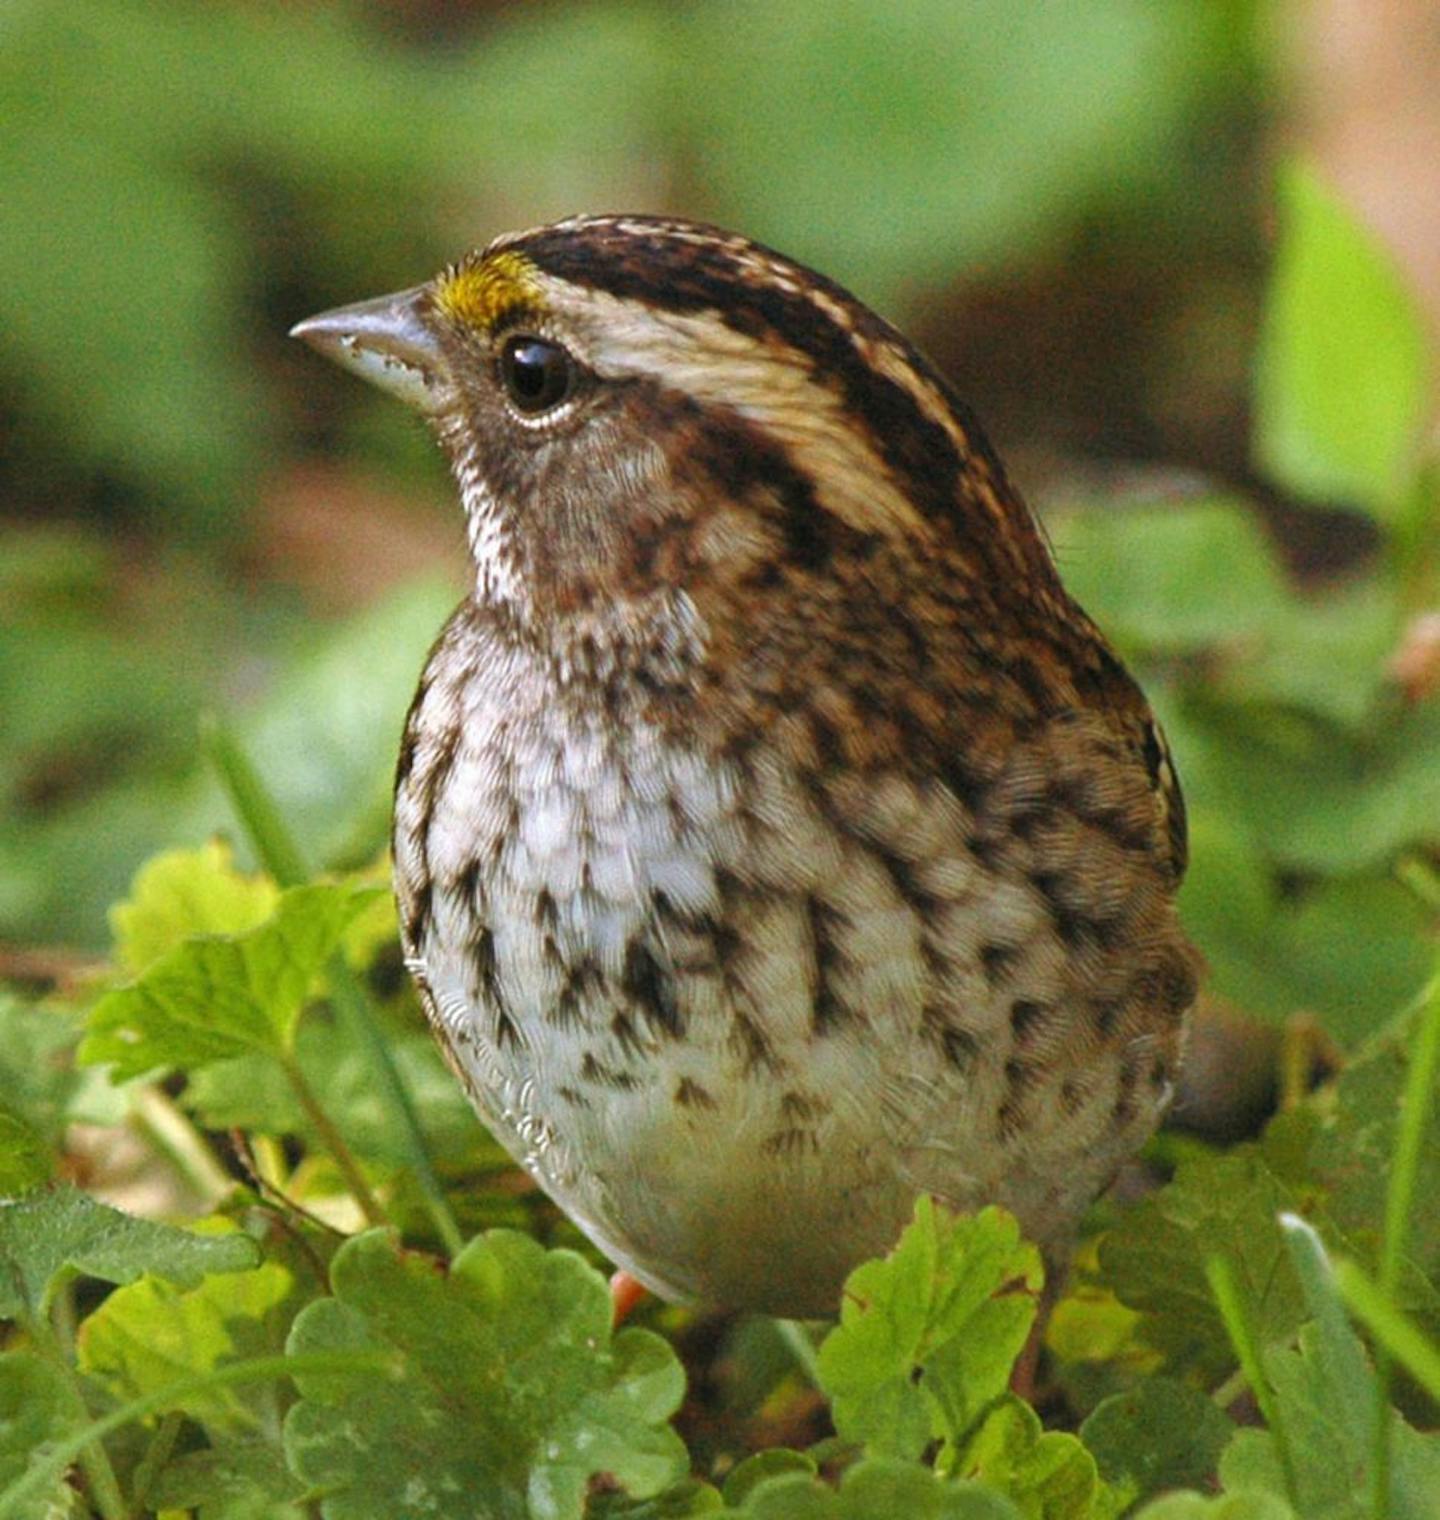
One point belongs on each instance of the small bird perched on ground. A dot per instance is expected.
(775, 840)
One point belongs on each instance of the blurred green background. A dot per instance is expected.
(1073, 207)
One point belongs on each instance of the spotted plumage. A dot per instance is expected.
(774, 837)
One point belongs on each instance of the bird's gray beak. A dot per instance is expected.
(385, 341)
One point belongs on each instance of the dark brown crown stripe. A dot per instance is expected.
(684, 276)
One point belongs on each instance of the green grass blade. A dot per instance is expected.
(1232, 1311)
(281, 856)
(1391, 1327)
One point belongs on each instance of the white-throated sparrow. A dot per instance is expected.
(774, 837)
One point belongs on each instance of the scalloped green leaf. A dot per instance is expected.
(46, 1233)
(1251, 1504)
(220, 996)
(1330, 1439)
(1048, 1473)
(151, 1333)
(516, 1394)
(1343, 1139)
(233, 1480)
(1160, 1434)
(748, 1475)
(879, 1487)
(1154, 1258)
(180, 894)
(684, 1501)
(928, 1336)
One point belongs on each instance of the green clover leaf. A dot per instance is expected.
(517, 1393)
(215, 997)
(928, 1336)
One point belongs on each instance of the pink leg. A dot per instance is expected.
(625, 1293)
(1027, 1365)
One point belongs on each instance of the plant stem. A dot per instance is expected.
(1421, 880)
(1400, 1336)
(274, 843)
(1231, 1389)
(187, 1150)
(334, 1142)
(281, 856)
(801, 1347)
(353, 1006)
(60, 1454)
(268, 1156)
(157, 1454)
(55, 1342)
(1413, 553)
(1232, 1311)
(1399, 1202)
(1410, 1139)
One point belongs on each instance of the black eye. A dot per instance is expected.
(537, 373)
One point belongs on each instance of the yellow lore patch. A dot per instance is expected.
(481, 292)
